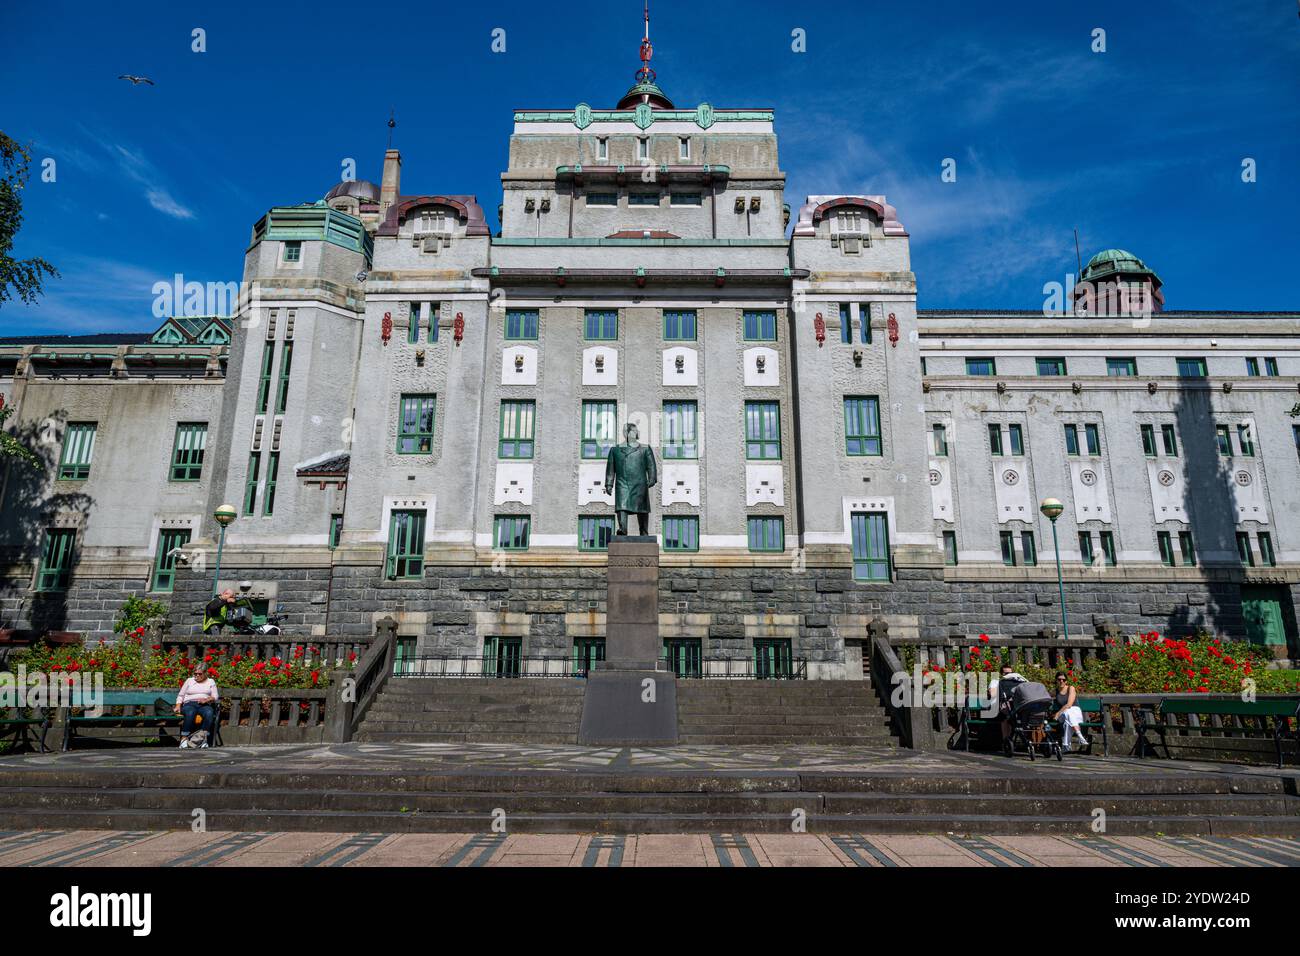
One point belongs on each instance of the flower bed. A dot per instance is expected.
(1149, 665)
(125, 664)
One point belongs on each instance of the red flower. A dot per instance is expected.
(984, 638)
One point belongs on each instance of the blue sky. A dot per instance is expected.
(1140, 147)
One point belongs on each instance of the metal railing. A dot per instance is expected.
(709, 668)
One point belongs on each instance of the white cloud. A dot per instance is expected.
(162, 200)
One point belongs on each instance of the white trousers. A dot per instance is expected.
(1071, 718)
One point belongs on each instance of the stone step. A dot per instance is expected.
(451, 737)
(470, 726)
(388, 707)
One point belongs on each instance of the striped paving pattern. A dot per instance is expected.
(92, 848)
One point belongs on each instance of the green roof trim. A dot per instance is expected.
(314, 221)
(703, 120)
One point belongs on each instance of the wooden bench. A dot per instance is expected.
(971, 717)
(130, 701)
(1163, 718)
(17, 723)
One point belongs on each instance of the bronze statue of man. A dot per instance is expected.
(633, 465)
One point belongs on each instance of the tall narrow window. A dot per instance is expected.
(521, 324)
(1252, 367)
(1244, 550)
(1149, 440)
(431, 316)
(864, 322)
(415, 421)
(870, 535)
(1166, 547)
(766, 533)
(1187, 547)
(679, 325)
(1029, 548)
(1007, 541)
(995, 439)
(1017, 436)
(760, 326)
(272, 474)
(56, 560)
(286, 364)
(510, 532)
(335, 534)
(762, 430)
(1245, 442)
(78, 450)
(1071, 439)
(187, 452)
(250, 482)
(1108, 554)
(643, 147)
(406, 545)
(264, 383)
(1266, 556)
(594, 532)
(1169, 438)
(940, 434)
(846, 323)
(164, 565)
(1223, 437)
(413, 327)
(602, 147)
(1092, 435)
(601, 324)
(1270, 367)
(516, 439)
(862, 425)
(599, 428)
(950, 548)
(680, 430)
(681, 533)
(683, 147)
(1085, 548)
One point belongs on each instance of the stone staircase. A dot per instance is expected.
(454, 710)
(781, 712)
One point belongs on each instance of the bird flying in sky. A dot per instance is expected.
(136, 80)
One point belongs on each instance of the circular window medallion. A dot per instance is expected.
(1088, 476)
(1166, 477)
(1243, 478)
(1010, 476)
(935, 476)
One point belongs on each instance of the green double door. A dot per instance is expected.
(684, 655)
(502, 656)
(1262, 606)
(586, 652)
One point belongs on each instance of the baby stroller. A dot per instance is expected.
(1032, 728)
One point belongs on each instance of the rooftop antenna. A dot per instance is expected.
(391, 124)
(646, 75)
(1078, 258)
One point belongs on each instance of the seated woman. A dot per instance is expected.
(198, 701)
(1068, 712)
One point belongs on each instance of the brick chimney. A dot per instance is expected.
(390, 188)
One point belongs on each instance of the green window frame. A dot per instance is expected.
(595, 532)
(680, 325)
(1092, 437)
(56, 559)
(417, 417)
(511, 532)
(413, 325)
(1270, 367)
(983, 365)
(587, 652)
(286, 365)
(521, 325)
(862, 426)
(685, 655)
(250, 482)
(1086, 553)
(773, 658)
(518, 425)
(1071, 439)
(995, 440)
(869, 532)
(1016, 435)
(1244, 551)
(681, 533)
(600, 325)
(1166, 547)
(335, 533)
(1108, 553)
(1050, 366)
(681, 430)
(602, 199)
(1121, 367)
(293, 251)
(78, 451)
(406, 545)
(1223, 440)
(685, 199)
(766, 533)
(1266, 556)
(864, 322)
(1187, 547)
(940, 433)
(763, 431)
(264, 380)
(1191, 367)
(1252, 367)
(1244, 441)
(759, 325)
(1029, 548)
(187, 451)
(164, 565)
(272, 474)
(1007, 543)
(1148, 440)
(599, 428)
(846, 323)
(1169, 439)
(950, 548)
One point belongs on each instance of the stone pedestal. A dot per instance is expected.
(631, 699)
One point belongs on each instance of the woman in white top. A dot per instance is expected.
(197, 700)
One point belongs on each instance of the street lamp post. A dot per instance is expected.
(1051, 509)
(224, 515)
